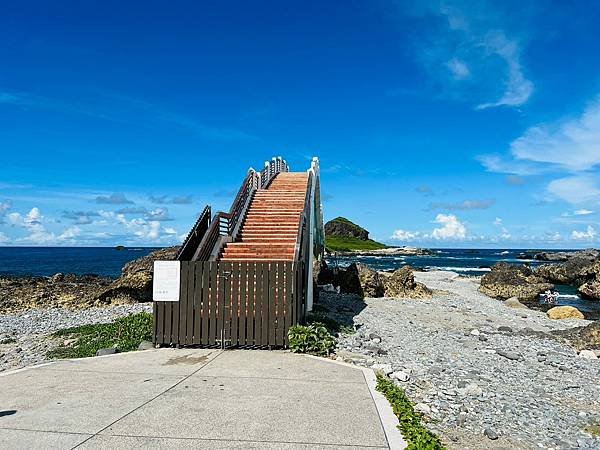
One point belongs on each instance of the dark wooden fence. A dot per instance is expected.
(233, 304)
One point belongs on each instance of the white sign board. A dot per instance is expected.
(165, 287)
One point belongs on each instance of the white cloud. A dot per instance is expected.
(576, 189)
(451, 228)
(518, 89)
(470, 40)
(589, 234)
(583, 212)
(70, 234)
(458, 68)
(401, 235)
(4, 239)
(573, 144)
(498, 221)
(505, 233)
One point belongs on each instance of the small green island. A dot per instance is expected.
(343, 235)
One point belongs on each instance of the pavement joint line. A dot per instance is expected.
(189, 438)
(162, 375)
(148, 401)
(78, 433)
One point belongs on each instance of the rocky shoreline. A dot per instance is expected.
(388, 251)
(484, 374)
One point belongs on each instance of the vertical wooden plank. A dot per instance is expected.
(235, 302)
(204, 329)
(184, 298)
(197, 308)
(168, 322)
(220, 301)
(280, 315)
(243, 269)
(175, 311)
(265, 304)
(226, 304)
(272, 303)
(154, 322)
(213, 334)
(250, 303)
(289, 299)
(161, 323)
(258, 296)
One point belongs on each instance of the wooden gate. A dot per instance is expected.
(231, 304)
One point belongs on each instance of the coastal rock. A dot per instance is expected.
(511, 280)
(588, 354)
(578, 269)
(135, 283)
(370, 281)
(582, 338)
(348, 280)
(514, 302)
(65, 291)
(401, 283)
(564, 312)
(590, 290)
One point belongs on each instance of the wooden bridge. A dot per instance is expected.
(246, 274)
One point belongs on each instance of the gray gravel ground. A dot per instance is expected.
(485, 375)
(24, 337)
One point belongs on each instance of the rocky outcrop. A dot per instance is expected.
(401, 283)
(591, 288)
(574, 271)
(135, 283)
(60, 290)
(590, 254)
(564, 312)
(389, 251)
(370, 281)
(582, 338)
(582, 270)
(342, 227)
(362, 280)
(511, 280)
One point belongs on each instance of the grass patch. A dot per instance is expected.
(125, 333)
(347, 244)
(332, 325)
(313, 339)
(417, 436)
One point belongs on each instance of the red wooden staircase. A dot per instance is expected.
(270, 229)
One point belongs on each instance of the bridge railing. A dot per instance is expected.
(224, 227)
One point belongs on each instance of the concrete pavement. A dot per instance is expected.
(195, 398)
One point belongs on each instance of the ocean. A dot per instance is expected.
(108, 261)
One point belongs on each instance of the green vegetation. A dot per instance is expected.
(347, 244)
(125, 333)
(417, 436)
(313, 339)
(342, 235)
(333, 326)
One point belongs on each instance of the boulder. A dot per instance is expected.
(514, 302)
(564, 312)
(370, 281)
(401, 283)
(348, 280)
(135, 283)
(512, 280)
(590, 290)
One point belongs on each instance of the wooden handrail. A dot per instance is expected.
(195, 236)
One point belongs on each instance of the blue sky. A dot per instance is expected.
(438, 123)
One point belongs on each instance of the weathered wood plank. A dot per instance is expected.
(265, 304)
(243, 270)
(213, 334)
(235, 303)
(204, 328)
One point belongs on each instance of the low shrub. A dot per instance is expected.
(125, 333)
(313, 339)
(417, 436)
